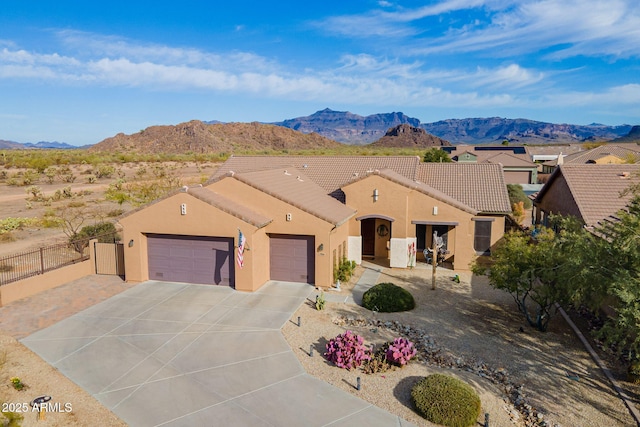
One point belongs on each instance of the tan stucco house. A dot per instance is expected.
(300, 215)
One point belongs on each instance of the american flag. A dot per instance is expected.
(241, 242)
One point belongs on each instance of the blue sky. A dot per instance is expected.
(81, 71)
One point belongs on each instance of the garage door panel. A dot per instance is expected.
(191, 259)
(291, 258)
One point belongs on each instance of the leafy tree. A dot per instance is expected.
(436, 155)
(539, 272)
(517, 194)
(612, 276)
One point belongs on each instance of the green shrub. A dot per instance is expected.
(105, 231)
(633, 372)
(446, 400)
(388, 298)
(344, 270)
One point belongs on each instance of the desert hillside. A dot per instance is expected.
(198, 137)
(409, 136)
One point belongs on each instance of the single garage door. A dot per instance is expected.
(292, 258)
(191, 259)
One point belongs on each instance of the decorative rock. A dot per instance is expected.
(430, 352)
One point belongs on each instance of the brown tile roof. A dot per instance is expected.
(596, 189)
(620, 151)
(421, 187)
(229, 206)
(543, 149)
(329, 172)
(479, 185)
(510, 160)
(297, 189)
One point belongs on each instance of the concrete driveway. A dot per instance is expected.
(176, 354)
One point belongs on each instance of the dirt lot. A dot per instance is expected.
(16, 202)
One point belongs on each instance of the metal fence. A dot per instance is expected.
(39, 261)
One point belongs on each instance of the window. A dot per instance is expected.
(482, 237)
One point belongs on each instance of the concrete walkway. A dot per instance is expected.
(368, 278)
(175, 354)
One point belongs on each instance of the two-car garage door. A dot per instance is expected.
(191, 259)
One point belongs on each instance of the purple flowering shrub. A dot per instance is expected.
(347, 350)
(400, 351)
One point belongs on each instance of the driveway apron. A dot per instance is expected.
(176, 354)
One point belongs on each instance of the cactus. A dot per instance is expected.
(347, 350)
(400, 351)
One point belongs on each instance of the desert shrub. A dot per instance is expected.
(378, 361)
(7, 237)
(446, 400)
(50, 174)
(91, 179)
(633, 372)
(347, 350)
(105, 231)
(29, 177)
(400, 351)
(11, 223)
(344, 270)
(320, 301)
(105, 171)
(115, 212)
(11, 419)
(35, 191)
(388, 298)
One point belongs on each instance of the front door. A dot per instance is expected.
(368, 232)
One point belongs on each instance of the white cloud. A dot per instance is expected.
(357, 79)
(567, 28)
(571, 27)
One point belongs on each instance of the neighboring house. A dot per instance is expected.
(601, 155)
(516, 164)
(300, 215)
(589, 192)
(543, 152)
(517, 169)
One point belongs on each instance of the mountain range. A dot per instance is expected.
(42, 144)
(323, 128)
(350, 128)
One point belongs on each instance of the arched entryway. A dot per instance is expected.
(376, 234)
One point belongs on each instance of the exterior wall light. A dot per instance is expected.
(321, 247)
(375, 195)
(131, 243)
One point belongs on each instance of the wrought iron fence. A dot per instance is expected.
(47, 258)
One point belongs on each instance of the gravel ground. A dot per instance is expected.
(480, 326)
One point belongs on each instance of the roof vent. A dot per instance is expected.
(299, 179)
(231, 173)
(286, 172)
(355, 174)
(624, 175)
(305, 166)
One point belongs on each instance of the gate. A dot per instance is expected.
(109, 258)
